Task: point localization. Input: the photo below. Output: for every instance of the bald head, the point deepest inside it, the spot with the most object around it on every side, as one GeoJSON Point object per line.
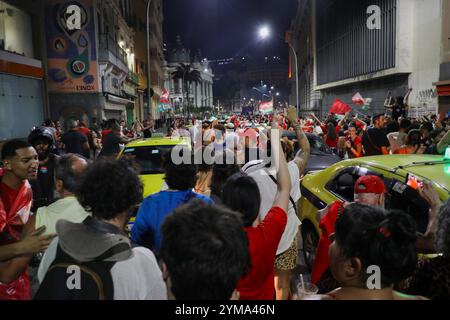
{"type": "Point", "coordinates": [69, 170]}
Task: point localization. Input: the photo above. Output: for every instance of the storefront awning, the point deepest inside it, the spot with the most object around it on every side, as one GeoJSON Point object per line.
{"type": "Point", "coordinates": [119, 100]}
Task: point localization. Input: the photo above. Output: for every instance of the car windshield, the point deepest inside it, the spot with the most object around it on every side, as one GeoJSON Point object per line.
{"type": "Point", "coordinates": [318, 146]}
{"type": "Point", "coordinates": [148, 158]}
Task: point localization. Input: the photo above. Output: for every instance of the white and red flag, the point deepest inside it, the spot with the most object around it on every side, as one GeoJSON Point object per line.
{"type": "Point", "coordinates": [358, 100]}
{"type": "Point", "coordinates": [266, 107]}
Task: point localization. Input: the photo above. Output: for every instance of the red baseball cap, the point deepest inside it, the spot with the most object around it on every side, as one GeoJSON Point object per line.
{"type": "Point", "coordinates": [370, 184]}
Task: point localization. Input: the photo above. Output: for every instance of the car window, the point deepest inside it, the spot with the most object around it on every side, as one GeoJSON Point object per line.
{"type": "Point", "coordinates": [342, 185]}
{"type": "Point", "coordinates": [404, 198]}
{"type": "Point", "coordinates": [318, 145]}
{"type": "Point", "coordinates": [149, 158]}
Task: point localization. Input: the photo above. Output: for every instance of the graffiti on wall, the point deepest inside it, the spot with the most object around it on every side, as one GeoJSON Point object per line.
{"type": "Point", "coordinates": [425, 102]}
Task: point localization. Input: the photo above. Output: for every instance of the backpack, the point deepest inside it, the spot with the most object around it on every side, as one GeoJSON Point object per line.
{"type": "Point", "coordinates": [60, 283]}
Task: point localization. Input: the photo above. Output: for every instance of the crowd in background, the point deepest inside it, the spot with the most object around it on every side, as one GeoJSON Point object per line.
{"type": "Point", "coordinates": [220, 231]}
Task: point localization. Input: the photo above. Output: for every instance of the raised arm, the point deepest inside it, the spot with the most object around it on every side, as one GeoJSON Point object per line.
{"type": "Point", "coordinates": [444, 143]}
{"type": "Point", "coordinates": [283, 177]}
{"type": "Point", "coordinates": [406, 99]}
{"type": "Point", "coordinates": [392, 137]}
{"type": "Point", "coordinates": [317, 119]}
{"type": "Point", "coordinates": [387, 102]}
{"type": "Point", "coordinates": [341, 123]}
{"type": "Point", "coordinates": [301, 158]}
{"type": "Point", "coordinates": [425, 242]}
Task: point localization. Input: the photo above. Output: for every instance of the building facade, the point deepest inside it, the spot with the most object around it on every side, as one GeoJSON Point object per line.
{"type": "Point", "coordinates": [443, 85]}
{"type": "Point", "coordinates": [372, 47]}
{"type": "Point", "coordinates": [23, 98]}
{"type": "Point", "coordinates": [201, 93]}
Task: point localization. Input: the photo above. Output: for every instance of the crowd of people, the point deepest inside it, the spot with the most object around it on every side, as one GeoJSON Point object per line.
{"type": "Point", "coordinates": [226, 230]}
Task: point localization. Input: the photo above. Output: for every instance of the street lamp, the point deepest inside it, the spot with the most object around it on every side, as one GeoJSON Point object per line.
{"type": "Point", "coordinates": [149, 81]}
{"type": "Point", "coordinates": [264, 33]}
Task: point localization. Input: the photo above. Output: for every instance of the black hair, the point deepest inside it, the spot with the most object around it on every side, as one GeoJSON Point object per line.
{"type": "Point", "coordinates": [179, 176]}
{"type": "Point", "coordinates": [64, 171]}
{"type": "Point", "coordinates": [331, 131]}
{"type": "Point", "coordinates": [405, 124]}
{"type": "Point", "coordinates": [10, 148]}
{"type": "Point", "coordinates": [48, 122]}
{"type": "Point", "coordinates": [377, 117]}
{"type": "Point", "coordinates": [220, 174]}
{"type": "Point", "coordinates": [205, 250]}
{"type": "Point", "coordinates": [241, 194]}
{"type": "Point", "coordinates": [427, 126]}
{"type": "Point", "coordinates": [443, 230]}
{"type": "Point", "coordinates": [392, 126]}
{"type": "Point", "coordinates": [109, 188]}
{"type": "Point", "coordinates": [375, 238]}
{"type": "Point", "coordinates": [413, 138]}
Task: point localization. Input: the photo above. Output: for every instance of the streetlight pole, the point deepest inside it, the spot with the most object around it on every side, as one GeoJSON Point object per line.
{"type": "Point", "coordinates": [149, 81]}
{"type": "Point", "coordinates": [264, 33]}
{"type": "Point", "coordinates": [296, 74]}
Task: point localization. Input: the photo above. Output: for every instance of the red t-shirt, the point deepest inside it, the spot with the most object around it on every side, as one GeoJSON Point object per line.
{"type": "Point", "coordinates": [258, 283]}
{"type": "Point", "coordinates": [84, 131]}
{"type": "Point", "coordinates": [355, 144]}
{"type": "Point", "coordinates": [327, 225]}
{"type": "Point", "coordinates": [105, 133]}
{"type": "Point", "coordinates": [8, 195]}
{"type": "Point", "coordinates": [329, 142]}
{"type": "Point", "coordinates": [19, 289]}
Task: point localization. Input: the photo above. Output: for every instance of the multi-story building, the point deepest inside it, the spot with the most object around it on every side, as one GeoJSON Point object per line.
{"type": "Point", "coordinates": [142, 108]}
{"type": "Point", "coordinates": [369, 46]}
{"type": "Point", "coordinates": [91, 66]}
{"type": "Point", "coordinates": [23, 97]}
{"type": "Point", "coordinates": [200, 94]}
{"type": "Point", "coordinates": [443, 85]}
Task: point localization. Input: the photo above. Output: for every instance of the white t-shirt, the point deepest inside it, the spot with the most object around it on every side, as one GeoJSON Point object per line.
{"type": "Point", "coordinates": [138, 278]}
{"type": "Point", "coordinates": [268, 190]}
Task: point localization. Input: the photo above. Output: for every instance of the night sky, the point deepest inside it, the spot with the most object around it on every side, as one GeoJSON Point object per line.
{"type": "Point", "coordinates": [228, 28]}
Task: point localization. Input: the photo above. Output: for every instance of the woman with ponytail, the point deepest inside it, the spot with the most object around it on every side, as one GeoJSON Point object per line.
{"type": "Point", "coordinates": [372, 251]}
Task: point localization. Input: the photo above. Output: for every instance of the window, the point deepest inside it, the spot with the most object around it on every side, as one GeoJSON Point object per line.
{"type": "Point", "coordinates": [149, 158]}
{"type": "Point", "coordinates": [15, 31]}
{"type": "Point", "coordinates": [342, 185]}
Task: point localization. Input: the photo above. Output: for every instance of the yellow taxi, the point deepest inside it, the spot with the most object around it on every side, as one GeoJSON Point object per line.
{"type": "Point", "coordinates": [402, 175]}
{"type": "Point", "coordinates": [147, 153]}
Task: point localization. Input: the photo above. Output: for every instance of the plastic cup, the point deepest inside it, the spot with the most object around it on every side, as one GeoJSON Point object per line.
{"type": "Point", "coordinates": [307, 290]}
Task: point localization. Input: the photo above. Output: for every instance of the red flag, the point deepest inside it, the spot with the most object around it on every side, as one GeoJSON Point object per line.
{"type": "Point", "coordinates": [358, 99]}
{"type": "Point", "coordinates": [266, 107]}
{"type": "Point", "coordinates": [339, 107]}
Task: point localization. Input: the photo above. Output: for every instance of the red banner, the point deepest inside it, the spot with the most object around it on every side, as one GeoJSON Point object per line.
{"type": "Point", "coordinates": [339, 107]}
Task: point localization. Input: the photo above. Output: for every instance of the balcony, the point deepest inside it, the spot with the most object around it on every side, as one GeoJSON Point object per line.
{"type": "Point", "coordinates": [133, 77]}
{"type": "Point", "coordinates": [110, 51]}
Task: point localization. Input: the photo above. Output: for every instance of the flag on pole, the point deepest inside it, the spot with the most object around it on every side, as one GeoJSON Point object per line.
{"type": "Point", "coordinates": [266, 107]}
{"type": "Point", "coordinates": [358, 100]}
{"type": "Point", "coordinates": [340, 107]}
